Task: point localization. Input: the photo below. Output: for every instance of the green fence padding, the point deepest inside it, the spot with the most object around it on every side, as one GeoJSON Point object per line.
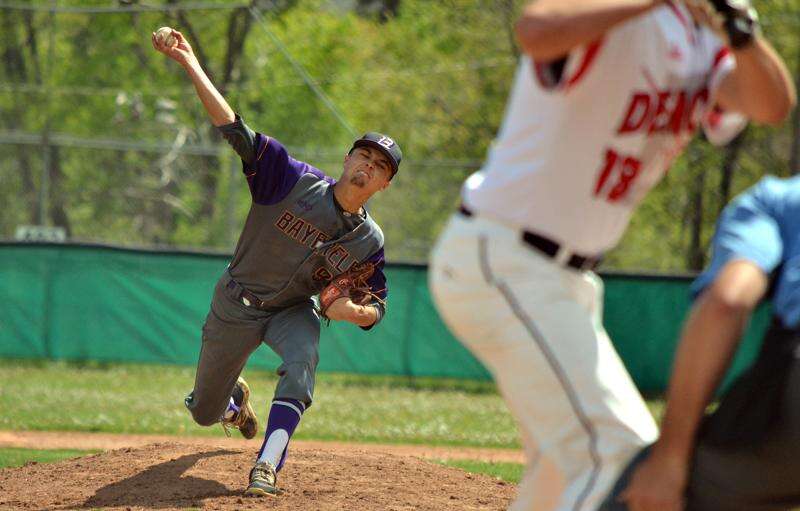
{"type": "Point", "coordinates": [78, 302]}
{"type": "Point", "coordinates": [644, 316]}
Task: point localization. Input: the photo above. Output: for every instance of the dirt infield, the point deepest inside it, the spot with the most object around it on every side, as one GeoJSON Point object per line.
{"type": "Point", "coordinates": [174, 475]}
{"type": "Point", "coordinates": [108, 441]}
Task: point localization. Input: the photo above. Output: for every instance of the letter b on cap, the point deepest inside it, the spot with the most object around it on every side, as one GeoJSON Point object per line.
{"type": "Point", "coordinates": [386, 142]}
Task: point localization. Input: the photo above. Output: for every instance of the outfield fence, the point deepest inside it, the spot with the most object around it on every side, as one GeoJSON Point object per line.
{"type": "Point", "coordinates": [90, 302]}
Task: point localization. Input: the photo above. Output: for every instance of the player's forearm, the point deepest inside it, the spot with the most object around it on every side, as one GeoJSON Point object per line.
{"type": "Point", "coordinates": [218, 109]}
{"type": "Point", "coordinates": [363, 315]}
{"type": "Point", "coordinates": [549, 29]}
{"type": "Point", "coordinates": [707, 345]}
{"type": "Point", "coordinates": [760, 86]}
{"type": "Point", "coordinates": [360, 315]}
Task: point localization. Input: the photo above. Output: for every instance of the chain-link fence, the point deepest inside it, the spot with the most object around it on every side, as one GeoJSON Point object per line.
{"type": "Point", "coordinates": [104, 139]}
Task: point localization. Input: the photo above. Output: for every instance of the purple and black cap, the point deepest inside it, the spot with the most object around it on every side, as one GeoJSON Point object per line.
{"type": "Point", "coordinates": [384, 144]}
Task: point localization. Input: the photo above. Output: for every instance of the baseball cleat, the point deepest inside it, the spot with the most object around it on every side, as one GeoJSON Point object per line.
{"type": "Point", "coordinates": [246, 420]}
{"type": "Point", "coordinates": [263, 480]}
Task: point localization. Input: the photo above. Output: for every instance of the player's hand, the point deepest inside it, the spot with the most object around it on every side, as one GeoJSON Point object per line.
{"type": "Point", "coordinates": [658, 484]}
{"type": "Point", "coordinates": [705, 14]}
{"type": "Point", "coordinates": [181, 53]}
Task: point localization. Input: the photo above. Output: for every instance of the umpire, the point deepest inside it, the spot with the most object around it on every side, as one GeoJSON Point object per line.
{"type": "Point", "coordinates": [746, 455]}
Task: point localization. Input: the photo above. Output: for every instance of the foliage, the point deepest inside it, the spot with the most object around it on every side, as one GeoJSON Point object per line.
{"type": "Point", "coordinates": [104, 136]}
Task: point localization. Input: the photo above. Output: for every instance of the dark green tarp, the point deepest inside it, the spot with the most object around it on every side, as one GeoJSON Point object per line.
{"type": "Point", "coordinates": [77, 302]}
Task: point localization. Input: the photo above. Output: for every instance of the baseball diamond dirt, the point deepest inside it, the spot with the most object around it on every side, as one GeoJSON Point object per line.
{"type": "Point", "coordinates": [173, 475]}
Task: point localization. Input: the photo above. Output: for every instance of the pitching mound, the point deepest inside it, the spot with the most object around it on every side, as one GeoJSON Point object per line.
{"type": "Point", "coordinates": [174, 476]}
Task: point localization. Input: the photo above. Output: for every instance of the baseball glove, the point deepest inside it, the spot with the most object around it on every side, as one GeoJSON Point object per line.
{"type": "Point", "coordinates": [350, 284]}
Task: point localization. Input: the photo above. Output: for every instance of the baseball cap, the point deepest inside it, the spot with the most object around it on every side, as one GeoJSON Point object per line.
{"type": "Point", "coordinates": [384, 144]}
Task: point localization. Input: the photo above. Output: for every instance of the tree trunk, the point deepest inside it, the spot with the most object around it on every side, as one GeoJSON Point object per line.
{"type": "Point", "coordinates": [385, 9]}
{"type": "Point", "coordinates": [18, 69]}
{"type": "Point", "coordinates": [509, 15]}
{"type": "Point", "coordinates": [33, 46]}
{"type": "Point", "coordinates": [696, 255]}
{"type": "Point", "coordinates": [239, 24]}
{"type": "Point", "coordinates": [29, 194]}
{"type": "Point", "coordinates": [729, 164]}
{"type": "Point", "coordinates": [58, 210]}
{"type": "Point", "coordinates": [238, 28]}
{"type": "Point", "coordinates": [187, 28]}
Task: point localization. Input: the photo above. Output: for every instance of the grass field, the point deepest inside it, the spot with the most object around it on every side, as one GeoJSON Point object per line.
{"type": "Point", "coordinates": [11, 457]}
{"type": "Point", "coordinates": [147, 399]}
{"type": "Point", "coordinates": [511, 472]}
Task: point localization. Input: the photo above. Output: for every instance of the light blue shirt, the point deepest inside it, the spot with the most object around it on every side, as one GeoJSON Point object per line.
{"type": "Point", "coordinates": [762, 225]}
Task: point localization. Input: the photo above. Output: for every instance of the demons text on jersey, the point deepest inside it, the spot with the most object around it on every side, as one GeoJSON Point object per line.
{"type": "Point", "coordinates": [673, 111]}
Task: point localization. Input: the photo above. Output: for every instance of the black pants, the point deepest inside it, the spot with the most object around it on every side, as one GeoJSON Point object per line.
{"type": "Point", "coordinates": [748, 451]}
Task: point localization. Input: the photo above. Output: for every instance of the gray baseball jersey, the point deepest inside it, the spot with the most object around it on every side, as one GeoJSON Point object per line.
{"type": "Point", "coordinates": [295, 240]}
{"type": "Point", "coordinates": [296, 237]}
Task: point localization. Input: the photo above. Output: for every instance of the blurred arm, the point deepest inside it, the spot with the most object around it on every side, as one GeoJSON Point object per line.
{"type": "Point", "coordinates": [550, 29]}
{"type": "Point", "coordinates": [710, 337]}
{"type": "Point", "coordinates": [760, 87]}
{"type": "Point", "coordinates": [709, 340]}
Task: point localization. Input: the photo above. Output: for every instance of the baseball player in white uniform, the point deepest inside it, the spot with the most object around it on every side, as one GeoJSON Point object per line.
{"type": "Point", "coordinates": [607, 94]}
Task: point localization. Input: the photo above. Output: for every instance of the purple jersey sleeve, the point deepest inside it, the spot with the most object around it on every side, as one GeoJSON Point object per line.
{"type": "Point", "coordinates": [275, 172]}
{"type": "Point", "coordinates": [377, 283]}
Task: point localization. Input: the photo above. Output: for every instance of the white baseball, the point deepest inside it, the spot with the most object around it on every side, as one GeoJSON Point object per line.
{"type": "Point", "coordinates": [165, 38]}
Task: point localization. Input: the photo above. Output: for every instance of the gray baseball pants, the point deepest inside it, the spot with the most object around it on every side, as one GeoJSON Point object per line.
{"type": "Point", "coordinates": [232, 331]}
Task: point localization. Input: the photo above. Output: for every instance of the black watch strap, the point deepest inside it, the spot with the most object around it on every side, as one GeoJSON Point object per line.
{"type": "Point", "coordinates": [740, 21]}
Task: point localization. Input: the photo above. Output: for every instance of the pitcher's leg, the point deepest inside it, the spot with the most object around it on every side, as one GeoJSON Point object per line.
{"type": "Point", "coordinates": [229, 337]}
{"type": "Point", "coordinates": [217, 371]}
{"type": "Point", "coordinates": [294, 335]}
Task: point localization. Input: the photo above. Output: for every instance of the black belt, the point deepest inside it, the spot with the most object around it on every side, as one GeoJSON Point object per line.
{"type": "Point", "coordinates": [246, 297]}
{"type": "Point", "coordinates": [549, 247]}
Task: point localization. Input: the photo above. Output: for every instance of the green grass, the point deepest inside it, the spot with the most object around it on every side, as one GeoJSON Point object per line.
{"type": "Point", "coordinates": [119, 398]}
{"type": "Point", "coordinates": [149, 399]}
{"type": "Point", "coordinates": [509, 472]}
{"type": "Point", "coordinates": [13, 457]}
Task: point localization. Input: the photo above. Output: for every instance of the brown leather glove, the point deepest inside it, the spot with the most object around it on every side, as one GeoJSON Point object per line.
{"type": "Point", "coordinates": [350, 284]}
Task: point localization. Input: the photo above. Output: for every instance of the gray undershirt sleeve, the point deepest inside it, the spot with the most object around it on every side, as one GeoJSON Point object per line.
{"type": "Point", "coordinates": [381, 309]}
{"type": "Point", "coordinates": [241, 138]}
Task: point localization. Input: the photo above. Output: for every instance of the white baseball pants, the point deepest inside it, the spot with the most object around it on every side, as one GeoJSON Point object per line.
{"type": "Point", "coordinates": [537, 327]}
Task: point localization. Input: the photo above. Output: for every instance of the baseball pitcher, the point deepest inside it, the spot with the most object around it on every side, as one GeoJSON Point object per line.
{"type": "Point", "coordinates": [606, 95]}
{"type": "Point", "coordinates": [306, 234]}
